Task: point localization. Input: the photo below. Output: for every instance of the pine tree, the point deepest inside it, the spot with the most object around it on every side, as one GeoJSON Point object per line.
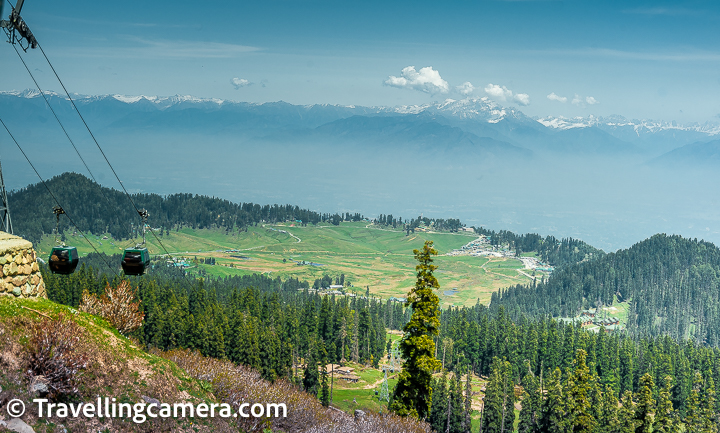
{"type": "Point", "coordinates": [693, 412]}
{"type": "Point", "coordinates": [577, 392]}
{"type": "Point", "coordinates": [438, 413]}
{"type": "Point", "coordinates": [531, 404]}
{"type": "Point", "coordinates": [645, 408]}
{"type": "Point", "coordinates": [467, 416]}
{"type": "Point", "coordinates": [324, 387]}
{"type": "Point", "coordinates": [457, 415]}
{"type": "Point", "coordinates": [509, 410]}
{"type": "Point", "coordinates": [609, 420]}
{"type": "Point", "coordinates": [627, 365]}
{"type": "Point", "coordinates": [310, 378]}
{"type": "Point", "coordinates": [596, 399]}
{"type": "Point", "coordinates": [626, 414]}
{"type": "Point", "coordinates": [554, 411]}
{"type": "Point", "coordinates": [494, 403]}
{"type": "Point", "coordinates": [413, 393]}
{"type": "Point", "coordinates": [708, 406]}
{"type": "Point", "coordinates": [664, 413]}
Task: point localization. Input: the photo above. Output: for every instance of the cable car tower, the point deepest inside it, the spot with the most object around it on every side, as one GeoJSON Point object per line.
{"type": "Point", "coordinates": [16, 28]}
{"type": "Point", "coordinates": [17, 31]}
{"type": "Point", "coordinates": [394, 358]}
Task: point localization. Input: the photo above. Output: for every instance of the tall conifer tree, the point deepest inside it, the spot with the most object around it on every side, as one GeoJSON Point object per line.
{"type": "Point", "coordinates": [664, 413]}
{"type": "Point", "coordinates": [554, 412]}
{"type": "Point", "coordinates": [710, 424]}
{"type": "Point", "coordinates": [627, 414]}
{"type": "Point", "coordinates": [578, 391]}
{"type": "Point", "coordinates": [467, 416]}
{"type": "Point", "coordinates": [438, 411]}
{"type": "Point", "coordinates": [531, 404]}
{"type": "Point", "coordinates": [645, 408]}
{"type": "Point", "coordinates": [609, 420]}
{"type": "Point", "coordinates": [413, 393]}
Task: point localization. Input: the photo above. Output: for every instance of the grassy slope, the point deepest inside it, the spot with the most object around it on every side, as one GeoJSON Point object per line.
{"type": "Point", "coordinates": [368, 256]}
{"type": "Point", "coordinates": [116, 369]}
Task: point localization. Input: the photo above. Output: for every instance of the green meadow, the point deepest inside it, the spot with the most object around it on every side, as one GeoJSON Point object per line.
{"type": "Point", "coordinates": [369, 257]}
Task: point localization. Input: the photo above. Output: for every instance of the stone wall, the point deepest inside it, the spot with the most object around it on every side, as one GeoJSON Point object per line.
{"type": "Point", "coordinates": [19, 272]}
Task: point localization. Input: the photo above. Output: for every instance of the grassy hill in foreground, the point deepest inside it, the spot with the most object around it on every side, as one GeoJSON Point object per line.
{"type": "Point", "coordinates": [112, 366]}
{"type": "Point", "coordinates": [366, 254]}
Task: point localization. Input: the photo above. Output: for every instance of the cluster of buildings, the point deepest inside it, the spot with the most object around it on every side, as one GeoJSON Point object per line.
{"type": "Point", "coordinates": [590, 319]}
{"type": "Point", "coordinates": [481, 247]}
{"type": "Point", "coordinates": [345, 373]}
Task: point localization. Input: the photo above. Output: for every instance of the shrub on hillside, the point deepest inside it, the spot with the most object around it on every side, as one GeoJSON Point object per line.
{"type": "Point", "coordinates": [235, 385]}
{"type": "Point", "coordinates": [117, 306]}
{"type": "Point", "coordinates": [53, 356]}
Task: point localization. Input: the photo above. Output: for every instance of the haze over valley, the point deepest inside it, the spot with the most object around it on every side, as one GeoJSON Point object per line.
{"type": "Point", "coordinates": [609, 181]}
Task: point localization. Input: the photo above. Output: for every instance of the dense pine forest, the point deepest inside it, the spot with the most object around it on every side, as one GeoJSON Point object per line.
{"type": "Point", "coordinates": [255, 320]}
{"type": "Point", "coordinates": [672, 284]}
{"type": "Point", "coordinates": [544, 353]}
{"type": "Point", "coordinates": [564, 377]}
{"type": "Point", "coordinates": [96, 209]}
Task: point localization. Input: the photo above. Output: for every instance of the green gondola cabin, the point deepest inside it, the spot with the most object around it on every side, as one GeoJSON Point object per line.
{"type": "Point", "coordinates": [63, 260]}
{"type": "Point", "coordinates": [135, 261]}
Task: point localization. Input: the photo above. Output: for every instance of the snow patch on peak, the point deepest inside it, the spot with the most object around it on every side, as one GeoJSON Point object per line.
{"type": "Point", "coordinates": [614, 122]}
{"type": "Point", "coordinates": [410, 109]}
{"type": "Point", "coordinates": [31, 93]}
{"type": "Point", "coordinates": [133, 99]}
{"type": "Point", "coordinates": [193, 99]}
{"type": "Point", "coordinates": [564, 123]}
{"type": "Point", "coordinates": [481, 109]}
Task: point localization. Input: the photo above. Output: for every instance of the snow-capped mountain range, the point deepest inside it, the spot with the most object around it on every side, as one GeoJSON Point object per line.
{"type": "Point", "coordinates": [617, 121]}
{"type": "Point", "coordinates": [475, 124]}
{"type": "Point", "coordinates": [477, 109]}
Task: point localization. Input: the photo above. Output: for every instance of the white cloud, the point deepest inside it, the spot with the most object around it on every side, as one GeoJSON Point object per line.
{"type": "Point", "coordinates": [240, 82]}
{"type": "Point", "coordinates": [502, 93]}
{"type": "Point", "coordinates": [465, 88]}
{"type": "Point", "coordinates": [425, 80]}
{"type": "Point", "coordinates": [554, 97]}
{"type": "Point", "coordinates": [522, 99]}
{"type": "Point", "coordinates": [584, 101]}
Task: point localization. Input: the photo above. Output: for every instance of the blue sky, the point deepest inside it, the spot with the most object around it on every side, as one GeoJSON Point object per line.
{"type": "Point", "coordinates": [639, 59]}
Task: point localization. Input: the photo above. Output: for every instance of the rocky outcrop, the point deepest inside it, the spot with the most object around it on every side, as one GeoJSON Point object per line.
{"type": "Point", "coordinates": [19, 271]}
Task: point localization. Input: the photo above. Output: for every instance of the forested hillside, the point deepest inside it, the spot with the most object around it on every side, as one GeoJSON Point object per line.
{"type": "Point", "coordinates": [569, 376]}
{"type": "Point", "coordinates": [255, 320]}
{"type": "Point", "coordinates": [98, 210]}
{"type": "Point", "coordinates": [573, 378]}
{"type": "Point", "coordinates": [672, 284]}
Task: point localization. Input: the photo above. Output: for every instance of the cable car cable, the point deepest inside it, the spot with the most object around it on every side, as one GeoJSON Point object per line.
{"type": "Point", "coordinates": [55, 198]}
{"type": "Point", "coordinates": [60, 123]}
{"type": "Point", "coordinates": [100, 148]}
{"type": "Point", "coordinates": [33, 43]}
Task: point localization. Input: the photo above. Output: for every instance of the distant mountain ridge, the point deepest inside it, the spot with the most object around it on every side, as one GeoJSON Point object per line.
{"type": "Point", "coordinates": [482, 109]}
{"type": "Point", "coordinates": [482, 117]}
{"type": "Point", "coordinates": [699, 154]}
{"type": "Point", "coordinates": [471, 157]}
